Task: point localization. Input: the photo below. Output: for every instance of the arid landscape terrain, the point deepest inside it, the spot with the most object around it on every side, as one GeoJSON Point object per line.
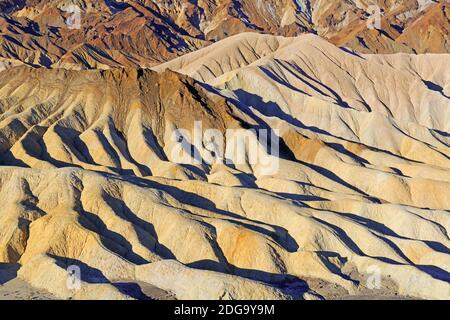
{"type": "Point", "coordinates": [224, 149]}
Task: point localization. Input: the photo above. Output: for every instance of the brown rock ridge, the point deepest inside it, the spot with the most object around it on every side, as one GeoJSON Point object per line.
{"type": "Point", "coordinates": [143, 33]}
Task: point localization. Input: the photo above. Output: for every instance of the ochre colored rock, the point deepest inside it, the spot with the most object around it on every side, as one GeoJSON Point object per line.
{"type": "Point", "coordinates": [89, 177]}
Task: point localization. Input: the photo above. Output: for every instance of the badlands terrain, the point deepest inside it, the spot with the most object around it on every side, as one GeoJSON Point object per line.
{"type": "Point", "coordinates": [99, 34]}
{"type": "Point", "coordinates": [355, 203]}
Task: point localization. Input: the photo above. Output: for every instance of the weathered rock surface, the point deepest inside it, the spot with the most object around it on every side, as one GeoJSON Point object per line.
{"type": "Point", "coordinates": [88, 176]}
{"type": "Point", "coordinates": [91, 34]}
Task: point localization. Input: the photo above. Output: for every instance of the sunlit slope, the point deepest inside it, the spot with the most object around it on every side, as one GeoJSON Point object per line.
{"type": "Point", "coordinates": [88, 176]}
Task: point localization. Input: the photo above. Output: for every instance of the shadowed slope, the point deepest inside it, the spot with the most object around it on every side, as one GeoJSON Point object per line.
{"type": "Point", "coordinates": [91, 34]}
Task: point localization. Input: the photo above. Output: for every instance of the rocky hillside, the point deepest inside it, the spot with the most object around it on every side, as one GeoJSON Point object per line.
{"type": "Point", "coordinates": [88, 34]}
{"type": "Point", "coordinates": [89, 176]}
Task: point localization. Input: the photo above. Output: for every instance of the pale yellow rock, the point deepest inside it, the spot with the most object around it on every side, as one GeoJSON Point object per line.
{"type": "Point", "coordinates": [90, 174]}
{"type": "Point", "coordinates": [42, 272]}
{"type": "Point", "coordinates": [191, 284]}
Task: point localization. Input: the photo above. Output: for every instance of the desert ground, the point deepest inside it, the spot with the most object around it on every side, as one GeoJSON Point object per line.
{"type": "Point", "coordinates": [230, 166]}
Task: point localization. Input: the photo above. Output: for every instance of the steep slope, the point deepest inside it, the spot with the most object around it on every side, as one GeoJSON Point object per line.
{"type": "Point", "coordinates": [88, 34]}
{"type": "Point", "coordinates": [97, 174]}
{"type": "Point", "coordinates": [430, 32]}
{"type": "Point", "coordinates": [83, 34]}
{"type": "Point", "coordinates": [308, 67]}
